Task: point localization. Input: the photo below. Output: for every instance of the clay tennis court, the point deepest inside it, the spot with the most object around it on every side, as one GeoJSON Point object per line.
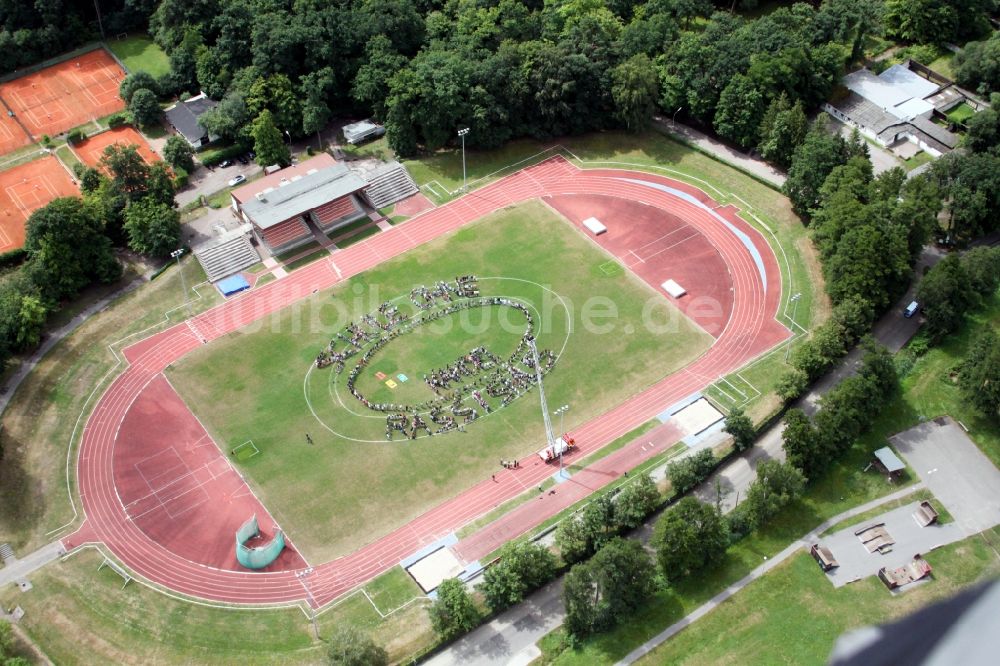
{"type": "Point", "coordinates": [12, 135]}
{"type": "Point", "coordinates": [63, 96]}
{"type": "Point", "coordinates": [26, 188]}
{"type": "Point", "coordinates": [91, 150]}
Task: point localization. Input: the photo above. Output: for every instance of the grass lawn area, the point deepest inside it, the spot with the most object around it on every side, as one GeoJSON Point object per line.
{"type": "Point", "coordinates": [794, 615]}
{"type": "Point", "coordinates": [961, 113]}
{"type": "Point", "coordinates": [307, 259]}
{"type": "Point", "coordinates": [943, 65]}
{"type": "Point", "coordinates": [67, 156]}
{"type": "Point", "coordinates": [929, 392]}
{"type": "Point", "coordinates": [919, 159]}
{"type": "Point", "coordinates": [140, 53]}
{"type": "Point", "coordinates": [348, 229]}
{"type": "Point", "coordinates": [80, 615]}
{"type": "Point", "coordinates": [45, 408]}
{"type": "Point", "coordinates": [652, 151]}
{"type": "Point", "coordinates": [342, 492]}
{"type": "Point", "coordinates": [358, 236]}
{"type": "Point", "coordinates": [926, 393]}
{"type": "Point", "coordinates": [295, 251]}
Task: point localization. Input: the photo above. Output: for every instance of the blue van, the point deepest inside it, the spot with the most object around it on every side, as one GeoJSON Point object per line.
{"type": "Point", "coordinates": [911, 309]}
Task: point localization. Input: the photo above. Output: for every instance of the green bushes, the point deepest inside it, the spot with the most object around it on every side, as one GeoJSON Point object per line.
{"type": "Point", "coordinates": [688, 472]}
{"type": "Point", "coordinates": [76, 136]}
{"type": "Point", "coordinates": [118, 119]}
{"type": "Point", "coordinates": [213, 156]}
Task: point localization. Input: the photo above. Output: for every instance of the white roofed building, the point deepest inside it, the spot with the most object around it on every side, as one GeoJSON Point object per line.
{"type": "Point", "coordinates": [901, 104]}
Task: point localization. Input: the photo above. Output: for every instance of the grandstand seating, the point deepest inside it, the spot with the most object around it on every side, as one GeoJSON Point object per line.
{"type": "Point", "coordinates": [230, 255]}
{"type": "Point", "coordinates": [286, 234]}
{"type": "Point", "coordinates": [388, 184]}
{"type": "Point", "coordinates": [330, 214]}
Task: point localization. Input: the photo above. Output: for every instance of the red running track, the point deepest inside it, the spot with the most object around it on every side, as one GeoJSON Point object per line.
{"type": "Point", "coordinates": [750, 330]}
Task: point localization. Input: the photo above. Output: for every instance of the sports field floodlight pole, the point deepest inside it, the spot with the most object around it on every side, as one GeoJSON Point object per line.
{"type": "Point", "coordinates": [795, 304]}
{"type": "Point", "coordinates": [100, 23]}
{"type": "Point", "coordinates": [461, 133]}
{"type": "Point", "coordinates": [541, 395]}
{"type": "Point", "coordinates": [176, 254]}
{"type": "Point", "coordinates": [562, 414]}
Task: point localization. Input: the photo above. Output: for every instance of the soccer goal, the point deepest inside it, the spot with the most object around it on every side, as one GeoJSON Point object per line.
{"type": "Point", "coordinates": [245, 451]}
{"type": "Point", "coordinates": [114, 566]}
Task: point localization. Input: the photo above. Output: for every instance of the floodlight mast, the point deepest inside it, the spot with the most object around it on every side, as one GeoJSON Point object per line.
{"type": "Point", "coordinates": [176, 254]}
{"type": "Point", "coordinates": [461, 133]}
{"type": "Point", "coordinates": [541, 394]}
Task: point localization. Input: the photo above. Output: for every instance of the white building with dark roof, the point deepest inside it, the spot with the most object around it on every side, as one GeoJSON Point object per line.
{"type": "Point", "coordinates": [284, 206]}
{"type": "Point", "coordinates": [901, 104]}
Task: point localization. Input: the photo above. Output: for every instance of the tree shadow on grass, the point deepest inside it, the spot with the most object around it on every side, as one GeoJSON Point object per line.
{"type": "Point", "coordinates": [20, 496]}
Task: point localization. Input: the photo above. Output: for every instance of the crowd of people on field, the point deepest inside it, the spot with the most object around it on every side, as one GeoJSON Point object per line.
{"type": "Point", "coordinates": [479, 373]}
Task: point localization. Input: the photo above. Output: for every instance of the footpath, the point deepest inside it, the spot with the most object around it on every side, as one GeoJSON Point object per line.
{"type": "Point", "coordinates": [757, 167]}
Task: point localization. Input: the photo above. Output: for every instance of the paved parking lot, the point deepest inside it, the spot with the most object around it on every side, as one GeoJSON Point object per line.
{"type": "Point", "coordinates": [955, 470]}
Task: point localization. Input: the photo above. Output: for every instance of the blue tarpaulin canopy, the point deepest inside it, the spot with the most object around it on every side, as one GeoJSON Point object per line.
{"type": "Point", "coordinates": [232, 285]}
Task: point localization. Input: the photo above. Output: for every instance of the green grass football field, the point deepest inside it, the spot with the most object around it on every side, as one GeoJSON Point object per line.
{"type": "Point", "coordinates": [350, 487]}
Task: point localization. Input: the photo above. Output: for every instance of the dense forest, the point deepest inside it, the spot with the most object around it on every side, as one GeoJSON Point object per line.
{"type": "Point", "coordinates": [504, 68]}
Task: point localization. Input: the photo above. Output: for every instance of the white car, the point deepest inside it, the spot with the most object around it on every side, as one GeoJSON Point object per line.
{"type": "Point", "coordinates": [233, 182]}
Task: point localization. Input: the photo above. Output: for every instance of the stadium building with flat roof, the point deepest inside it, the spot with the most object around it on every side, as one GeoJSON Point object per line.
{"type": "Point", "coordinates": [286, 207]}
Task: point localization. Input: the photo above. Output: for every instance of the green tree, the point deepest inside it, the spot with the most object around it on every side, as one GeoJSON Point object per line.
{"type": "Point", "coordinates": [739, 425]}
{"type": "Point", "coordinates": [984, 128]}
{"type": "Point", "coordinates": [813, 160]}
{"type": "Point", "coordinates": [599, 520]}
{"type": "Point", "coordinates": [689, 537]}
{"type": "Point", "coordinates": [946, 295]}
{"type": "Point", "coordinates": [782, 129]}
{"type": "Point", "coordinates": [153, 228]}
{"type": "Point", "coordinates": [129, 172]}
{"type": "Point", "coordinates": [269, 144]}
{"type": "Point", "coordinates": [686, 473]}
{"type": "Point", "coordinates": [22, 314]}
{"type": "Point", "coordinates": [792, 384]}
{"type": "Point", "coordinates": [144, 108]}
{"type": "Point", "coordinates": [371, 83]}
{"type": "Point", "coordinates": [637, 499]}
{"type": "Point", "coordinates": [740, 111]}
{"type": "Point", "coordinates": [850, 21]}
{"type": "Point", "coordinates": [178, 153]}
{"type": "Point", "coordinates": [346, 646]}
{"type": "Point", "coordinates": [635, 89]}
{"type": "Point", "coordinates": [573, 540]}
{"type": "Point", "coordinates": [982, 270]}
{"type": "Point", "coordinates": [871, 262]}
{"type": "Point", "coordinates": [453, 613]}
{"type": "Point", "coordinates": [818, 354]}
{"type": "Point", "coordinates": [802, 445]}
{"type": "Point", "coordinates": [136, 81]}
{"type": "Point", "coordinates": [602, 592]}
{"type": "Point", "coordinates": [777, 485]}
{"type": "Point", "coordinates": [316, 89]}
{"type": "Point", "coordinates": [229, 119]}
{"type": "Point", "coordinates": [977, 65]}
{"type": "Point", "coordinates": [521, 568]}
{"type": "Point", "coordinates": [979, 374]}
{"type": "Point", "coordinates": [66, 244]}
